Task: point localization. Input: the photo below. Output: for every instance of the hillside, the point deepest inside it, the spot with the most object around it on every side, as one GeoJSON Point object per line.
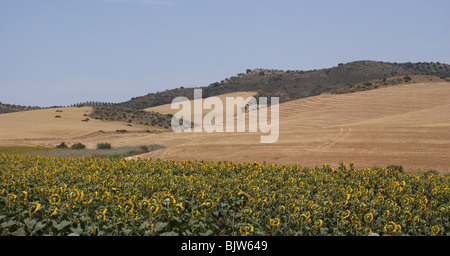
{"type": "Point", "coordinates": [50, 127]}
{"type": "Point", "coordinates": [291, 85]}
{"type": "Point", "coordinates": [406, 125]}
{"type": "Point", "coordinates": [9, 108]}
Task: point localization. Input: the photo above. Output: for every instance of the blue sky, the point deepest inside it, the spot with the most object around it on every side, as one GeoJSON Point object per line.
{"type": "Point", "coordinates": [60, 52]}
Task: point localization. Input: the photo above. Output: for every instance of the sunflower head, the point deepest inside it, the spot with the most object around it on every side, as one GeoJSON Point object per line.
{"type": "Point", "coordinates": [274, 222]}
{"type": "Point", "coordinates": [435, 229]}
{"type": "Point", "coordinates": [208, 204]}
{"type": "Point", "coordinates": [101, 216]}
{"type": "Point", "coordinates": [246, 211]}
{"type": "Point", "coordinates": [368, 217]}
{"type": "Point", "coordinates": [346, 214]}
{"type": "Point", "coordinates": [106, 196]}
{"type": "Point", "coordinates": [73, 194]}
{"type": "Point", "coordinates": [246, 229]}
{"type": "Point", "coordinates": [153, 208]}
{"type": "Point", "coordinates": [318, 223]}
{"type": "Point", "coordinates": [366, 231]}
{"type": "Point", "coordinates": [11, 198]}
{"type": "Point", "coordinates": [243, 197]}
{"type": "Point", "coordinates": [53, 210]}
{"type": "Point", "coordinates": [168, 201]}
{"type": "Point", "coordinates": [390, 227]}
{"type": "Point", "coordinates": [34, 207]}
{"type": "Point", "coordinates": [128, 207]}
{"type": "Point", "coordinates": [144, 204]}
{"type": "Point", "coordinates": [54, 199]}
{"type": "Point", "coordinates": [179, 207]}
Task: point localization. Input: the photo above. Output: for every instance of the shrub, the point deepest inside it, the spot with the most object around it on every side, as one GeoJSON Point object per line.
{"type": "Point", "coordinates": [103, 146]}
{"type": "Point", "coordinates": [62, 145]}
{"type": "Point", "coordinates": [78, 146]}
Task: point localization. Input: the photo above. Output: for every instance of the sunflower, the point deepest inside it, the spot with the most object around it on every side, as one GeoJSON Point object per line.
{"type": "Point", "coordinates": [25, 195]}
{"type": "Point", "coordinates": [54, 199]}
{"type": "Point", "coordinates": [357, 224]}
{"type": "Point", "coordinates": [34, 207]}
{"type": "Point", "coordinates": [386, 214]}
{"type": "Point", "coordinates": [144, 204]}
{"type": "Point", "coordinates": [168, 201]}
{"type": "Point", "coordinates": [391, 227]}
{"type": "Point", "coordinates": [73, 194]}
{"type": "Point", "coordinates": [208, 204]}
{"type": "Point", "coordinates": [41, 189]}
{"type": "Point", "coordinates": [368, 217]}
{"type": "Point", "coordinates": [128, 207]}
{"type": "Point", "coordinates": [245, 197]}
{"type": "Point", "coordinates": [318, 223]}
{"type": "Point", "coordinates": [397, 209]}
{"type": "Point", "coordinates": [366, 231]}
{"type": "Point", "coordinates": [196, 214]}
{"type": "Point", "coordinates": [435, 229]}
{"type": "Point", "coordinates": [274, 222]}
{"type": "Point", "coordinates": [101, 216]}
{"type": "Point", "coordinates": [398, 228]}
{"type": "Point", "coordinates": [246, 229]}
{"type": "Point", "coordinates": [264, 202]}
{"type": "Point", "coordinates": [346, 214]}
{"type": "Point", "coordinates": [153, 208]}
{"type": "Point", "coordinates": [423, 200]}
{"type": "Point", "coordinates": [86, 200]}
{"type": "Point", "coordinates": [305, 217]}
{"type": "Point", "coordinates": [179, 207]}
{"type": "Point", "coordinates": [106, 196]}
{"type": "Point", "coordinates": [55, 210]}
{"type": "Point", "coordinates": [11, 198]}
{"type": "Point", "coordinates": [407, 215]}
{"type": "Point", "coordinates": [296, 215]}
{"type": "Point", "coordinates": [246, 211]}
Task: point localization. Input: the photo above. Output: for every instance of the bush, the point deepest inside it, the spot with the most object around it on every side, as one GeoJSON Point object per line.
{"type": "Point", "coordinates": [78, 146]}
{"type": "Point", "coordinates": [103, 146]}
{"type": "Point", "coordinates": [62, 145]}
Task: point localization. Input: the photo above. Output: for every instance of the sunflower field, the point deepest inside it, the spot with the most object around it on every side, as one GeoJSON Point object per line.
{"type": "Point", "coordinates": [102, 196]}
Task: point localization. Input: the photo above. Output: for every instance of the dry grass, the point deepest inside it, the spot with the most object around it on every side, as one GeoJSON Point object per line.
{"type": "Point", "coordinates": [404, 125]}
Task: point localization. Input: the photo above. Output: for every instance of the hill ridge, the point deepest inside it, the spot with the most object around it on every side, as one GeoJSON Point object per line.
{"type": "Point", "coordinates": [286, 84]}
{"type": "Point", "coordinates": [296, 84]}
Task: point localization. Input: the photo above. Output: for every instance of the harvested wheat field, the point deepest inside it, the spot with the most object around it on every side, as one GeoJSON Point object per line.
{"type": "Point", "coordinates": [406, 125]}
{"type": "Point", "coordinates": [49, 127]}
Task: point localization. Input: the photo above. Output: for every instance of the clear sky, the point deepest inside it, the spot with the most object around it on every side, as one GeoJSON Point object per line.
{"type": "Point", "coordinates": [61, 52]}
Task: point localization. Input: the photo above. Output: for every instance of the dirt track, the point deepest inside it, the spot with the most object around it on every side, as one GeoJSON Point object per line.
{"type": "Point", "coordinates": [407, 125]}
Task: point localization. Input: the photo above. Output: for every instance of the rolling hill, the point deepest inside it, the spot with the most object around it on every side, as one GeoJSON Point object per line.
{"type": "Point", "coordinates": [290, 85]}
{"type": "Point", "coordinates": [371, 113]}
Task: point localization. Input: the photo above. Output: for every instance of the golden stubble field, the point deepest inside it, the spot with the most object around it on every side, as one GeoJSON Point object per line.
{"type": "Point", "coordinates": [406, 125]}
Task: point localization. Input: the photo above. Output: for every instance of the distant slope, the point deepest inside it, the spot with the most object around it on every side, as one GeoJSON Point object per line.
{"type": "Point", "coordinates": [49, 127]}
{"type": "Point", "coordinates": [405, 125]}
{"type": "Point", "coordinates": [9, 108]}
{"type": "Point", "coordinates": [291, 85]}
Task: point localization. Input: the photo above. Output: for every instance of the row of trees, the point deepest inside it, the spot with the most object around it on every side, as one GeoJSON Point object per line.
{"type": "Point", "coordinates": [93, 104]}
